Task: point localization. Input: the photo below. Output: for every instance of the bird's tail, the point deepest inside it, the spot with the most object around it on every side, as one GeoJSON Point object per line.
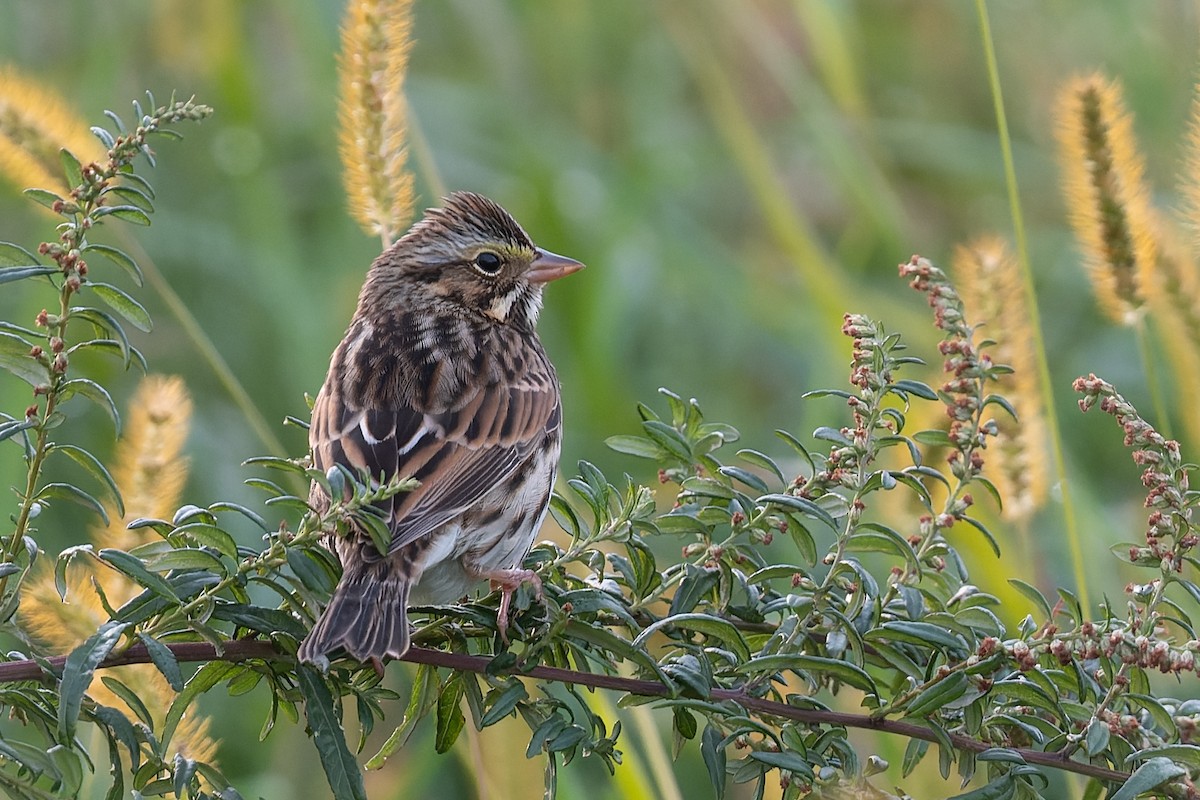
{"type": "Point", "coordinates": [367, 615]}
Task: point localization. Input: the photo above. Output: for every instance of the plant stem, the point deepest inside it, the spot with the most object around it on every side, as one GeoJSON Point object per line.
{"type": "Point", "coordinates": [1162, 420]}
{"type": "Point", "coordinates": [1039, 345]}
{"type": "Point", "coordinates": [243, 649]}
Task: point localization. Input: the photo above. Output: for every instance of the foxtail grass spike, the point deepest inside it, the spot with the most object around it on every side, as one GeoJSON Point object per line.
{"type": "Point", "coordinates": [376, 36]}
{"type": "Point", "coordinates": [989, 279]}
{"type": "Point", "coordinates": [35, 124]}
{"type": "Point", "coordinates": [1107, 200]}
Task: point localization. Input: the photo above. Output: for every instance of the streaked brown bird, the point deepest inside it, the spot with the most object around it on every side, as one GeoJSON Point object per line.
{"type": "Point", "coordinates": [440, 377]}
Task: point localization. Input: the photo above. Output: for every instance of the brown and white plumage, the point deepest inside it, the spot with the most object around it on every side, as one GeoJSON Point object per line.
{"type": "Point", "coordinates": [440, 377]}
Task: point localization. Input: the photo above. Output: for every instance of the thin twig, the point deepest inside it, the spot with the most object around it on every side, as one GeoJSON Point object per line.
{"type": "Point", "coordinates": [243, 649]}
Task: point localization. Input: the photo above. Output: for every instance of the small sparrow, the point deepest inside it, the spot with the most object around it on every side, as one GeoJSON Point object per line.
{"type": "Point", "coordinates": [440, 377]}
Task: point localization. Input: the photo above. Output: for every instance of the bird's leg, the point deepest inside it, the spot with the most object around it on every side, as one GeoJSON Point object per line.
{"type": "Point", "coordinates": [508, 581]}
{"type": "Point", "coordinates": [377, 665]}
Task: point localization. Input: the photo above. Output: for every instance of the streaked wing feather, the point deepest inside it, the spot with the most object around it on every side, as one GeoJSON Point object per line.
{"type": "Point", "coordinates": [458, 456]}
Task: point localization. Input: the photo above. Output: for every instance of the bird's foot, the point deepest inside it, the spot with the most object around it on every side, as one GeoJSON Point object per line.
{"type": "Point", "coordinates": [376, 664]}
{"type": "Point", "coordinates": [508, 581]}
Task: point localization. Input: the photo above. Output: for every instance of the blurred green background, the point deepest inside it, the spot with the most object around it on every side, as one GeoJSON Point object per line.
{"type": "Point", "coordinates": [737, 175]}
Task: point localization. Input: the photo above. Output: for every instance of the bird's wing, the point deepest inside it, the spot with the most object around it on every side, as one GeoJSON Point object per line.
{"type": "Point", "coordinates": [457, 455]}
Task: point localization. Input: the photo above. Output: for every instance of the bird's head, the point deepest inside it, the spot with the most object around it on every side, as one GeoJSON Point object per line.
{"type": "Point", "coordinates": [472, 253]}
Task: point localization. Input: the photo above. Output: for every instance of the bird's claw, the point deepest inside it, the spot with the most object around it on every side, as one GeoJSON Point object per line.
{"type": "Point", "coordinates": [508, 581]}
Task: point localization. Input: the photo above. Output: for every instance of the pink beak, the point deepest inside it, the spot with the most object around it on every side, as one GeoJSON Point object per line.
{"type": "Point", "coordinates": [550, 267]}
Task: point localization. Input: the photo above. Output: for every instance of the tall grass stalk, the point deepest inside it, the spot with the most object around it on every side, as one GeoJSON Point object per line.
{"type": "Point", "coordinates": [1070, 520]}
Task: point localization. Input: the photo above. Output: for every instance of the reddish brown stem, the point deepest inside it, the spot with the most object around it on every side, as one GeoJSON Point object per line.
{"type": "Point", "coordinates": [242, 649]}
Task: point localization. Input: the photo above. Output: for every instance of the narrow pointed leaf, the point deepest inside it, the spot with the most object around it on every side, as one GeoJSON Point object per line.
{"type": "Point", "coordinates": [14, 357]}
{"type": "Point", "coordinates": [341, 770]}
{"type": "Point", "coordinates": [164, 659]}
{"type": "Point", "coordinates": [77, 675]}
{"type": "Point", "coordinates": [94, 468]}
{"type": "Point", "coordinates": [42, 197]}
{"type": "Point", "coordinates": [97, 394]}
{"type": "Point", "coordinates": [133, 567]}
{"type": "Point", "coordinates": [204, 679]}
{"type": "Point", "coordinates": [1154, 772]}
{"type": "Point", "coordinates": [66, 491]}
{"type": "Point", "coordinates": [120, 258]}
{"type": "Point", "coordinates": [10, 274]}
{"type": "Point", "coordinates": [128, 213]}
{"type": "Point", "coordinates": [124, 305]}
{"type": "Point", "coordinates": [71, 167]}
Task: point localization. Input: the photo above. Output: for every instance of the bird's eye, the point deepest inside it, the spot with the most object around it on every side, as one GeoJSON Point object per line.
{"type": "Point", "coordinates": [488, 262]}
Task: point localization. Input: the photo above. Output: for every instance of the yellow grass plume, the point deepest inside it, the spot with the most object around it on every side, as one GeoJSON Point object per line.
{"type": "Point", "coordinates": [990, 283]}
{"type": "Point", "coordinates": [1173, 297]}
{"type": "Point", "coordinates": [1107, 200]}
{"type": "Point", "coordinates": [35, 123]}
{"type": "Point", "coordinates": [376, 36]}
{"type": "Point", "coordinates": [150, 471]}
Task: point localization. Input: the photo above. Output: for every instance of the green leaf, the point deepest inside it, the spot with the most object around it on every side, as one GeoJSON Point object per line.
{"type": "Point", "coordinates": [132, 566]}
{"type": "Point", "coordinates": [184, 558]}
{"type": "Point", "coordinates": [919, 633]}
{"type": "Point", "coordinates": [1034, 596]}
{"type": "Point", "coordinates": [827, 434]}
{"type": "Point", "coordinates": [133, 196]}
{"type": "Point", "coordinates": [120, 728]}
{"type": "Point", "coordinates": [43, 197]}
{"type": "Point", "coordinates": [933, 438]}
{"type": "Point", "coordinates": [120, 258]}
{"type": "Point", "coordinates": [987, 534]}
{"type": "Point", "coordinates": [131, 699]}
{"type": "Point", "coordinates": [879, 538]}
{"type": "Point", "coordinates": [253, 516]}
{"type": "Point", "coordinates": [421, 698]}
{"type": "Point", "coordinates": [93, 467]}
{"type": "Point", "coordinates": [450, 717]}
{"type": "Point", "coordinates": [204, 679]}
{"type": "Point", "coordinates": [13, 427]}
{"type": "Point", "coordinates": [258, 618]}
{"type": "Point", "coordinates": [722, 630]}
{"type": "Point", "coordinates": [71, 167]}
{"type": "Point", "coordinates": [164, 659]}
{"type": "Point", "coordinates": [763, 462]}
{"type": "Point", "coordinates": [1154, 772]}
{"type": "Point", "coordinates": [124, 305]}
{"type": "Point", "coordinates": [937, 695]}
{"type": "Point", "coordinates": [66, 491]}
{"type": "Point", "coordinates": [341, 770]}
{"type": "Point", "coordinates": [207, 535]}
{"type": "Point", "coordinates": [1001, 788]}
{"type": "Point", "coordinates": [505, 702]}
{"type": "Point", "coordinates": [10, 274]}
{"type": "Point", "coordinates": [800, 504]}
{"type": "Point", "coordinates": [921, 390]}
{"type": "Point", "coordinates": [96, 393]}
{"type": "Point", "coordinates": [77, 675]}
{"type": "Point", "coordinates": [638, 446]}
{"type": "Point", "coordinates": [128, 213]}
{"type": "Point", "coordinates": [1096, 740]}
{"type": "Point", "coordinates": [14, 357]}
{"type": "Point", "coordinates": [1188, 754]}
{"type": "Point", "coordinates": [713, 750]}
{"type": "Point", "coordinates": [116, 347]}
{"type": "Point", "coordinates": [840, 669]}
{"type": "Point", "coordinates": [784, 760]}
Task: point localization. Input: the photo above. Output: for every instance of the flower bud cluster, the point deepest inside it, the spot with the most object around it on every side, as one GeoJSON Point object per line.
{"type": "Point", "coordinates": [1169, 533]}
{"type": "Point", "coordinates": [871, 373]}
{"type": "Point", "coordinates": [969, 370]}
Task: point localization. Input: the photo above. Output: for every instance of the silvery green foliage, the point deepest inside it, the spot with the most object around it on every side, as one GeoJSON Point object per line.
{"type": "Point", "coordinates": [767, 599]}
